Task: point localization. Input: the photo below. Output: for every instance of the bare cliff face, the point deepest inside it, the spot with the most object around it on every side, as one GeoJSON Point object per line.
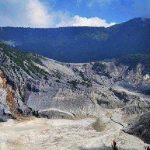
{"type": "Point", "coordinates": [34, 85]}
{"type": "Point", "coordinates": [8, 104]}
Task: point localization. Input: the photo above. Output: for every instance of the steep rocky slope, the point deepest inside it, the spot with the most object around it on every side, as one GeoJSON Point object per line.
{"type": "Point", "coordinates": [34, 85]}
{"type": "Point", "coordinates": [140, 127]}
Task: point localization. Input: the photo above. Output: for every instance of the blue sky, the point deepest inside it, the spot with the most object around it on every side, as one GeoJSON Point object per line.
{"type": "Point", "coordinates": [56, 13]}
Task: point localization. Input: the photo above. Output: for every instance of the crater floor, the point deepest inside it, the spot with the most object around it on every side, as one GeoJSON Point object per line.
{"type": "Point", "coordinates": [58, 134]}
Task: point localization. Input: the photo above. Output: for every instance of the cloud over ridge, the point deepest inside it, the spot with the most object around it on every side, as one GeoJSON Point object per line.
{"type": "Point", "coordinates": [34, 13]}
{"type": "Point", "coordinates": [84, 21]}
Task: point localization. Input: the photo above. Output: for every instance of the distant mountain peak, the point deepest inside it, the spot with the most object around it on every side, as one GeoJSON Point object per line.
{"type": "Point", "coordinates": [140, 20]}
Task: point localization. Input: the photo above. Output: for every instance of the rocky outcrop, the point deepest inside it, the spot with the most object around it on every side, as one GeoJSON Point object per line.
{"type": "Point", "coordinates": [7, 103]}
{"type": "Point", "coordinates": [54, 114]}
{"type": "Point", "coordinates": [34, 85]}
{"type": "Point", "coordinates": [140, 127]}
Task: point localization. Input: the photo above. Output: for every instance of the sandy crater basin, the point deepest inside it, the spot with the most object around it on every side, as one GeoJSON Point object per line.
{"type": "Point", "coordinates": [59, 134]}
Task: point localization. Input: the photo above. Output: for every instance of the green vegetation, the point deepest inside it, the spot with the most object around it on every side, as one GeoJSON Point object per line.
{"type": "Point", "coordinates": [86, 81]}
{"type": "Point", "coordinates": [73, 83]}
{"type": "Point", "coordinates": [99, 67]}
{"type": "Point", "coordinates": [58, 81]}
{"type": "Point", "coordinates": [135, 59]}
{"type": "Point", "coordinates": [94, 35]}
{"type": "Point", "coordinates": [58, 75]}
{"type": "Point", "coordinates": [84, 78]}
{"type": "Point", "coordinates": [83, 44]}
{"type": "Point", "coordinates": [24, 60]}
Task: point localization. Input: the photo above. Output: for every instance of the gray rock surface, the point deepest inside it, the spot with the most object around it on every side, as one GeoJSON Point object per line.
{"type": "Point", "coordinates": [34, 85]}
{"type": "Point", "coordinates": [140, 127]}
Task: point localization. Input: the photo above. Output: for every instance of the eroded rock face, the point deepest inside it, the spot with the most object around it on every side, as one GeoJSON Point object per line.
{"type": "Point", "coordinates": [140, 127]}
{"type": "Point", "coordinates": [34, 85]}
{"type": "Point", "coordinates": [7, 102]}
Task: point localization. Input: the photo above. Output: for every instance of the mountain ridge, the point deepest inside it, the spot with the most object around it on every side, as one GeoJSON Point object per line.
{"type": "Point", "coordinates": [82, 44]}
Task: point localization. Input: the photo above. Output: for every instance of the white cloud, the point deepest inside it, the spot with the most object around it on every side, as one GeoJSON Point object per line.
{"type": "Point", "coordinates": [25, 13]}
{"type": "Point", "coordinates": [83, 21]}
{"type": "Point", "coordinates": [35, 13]}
